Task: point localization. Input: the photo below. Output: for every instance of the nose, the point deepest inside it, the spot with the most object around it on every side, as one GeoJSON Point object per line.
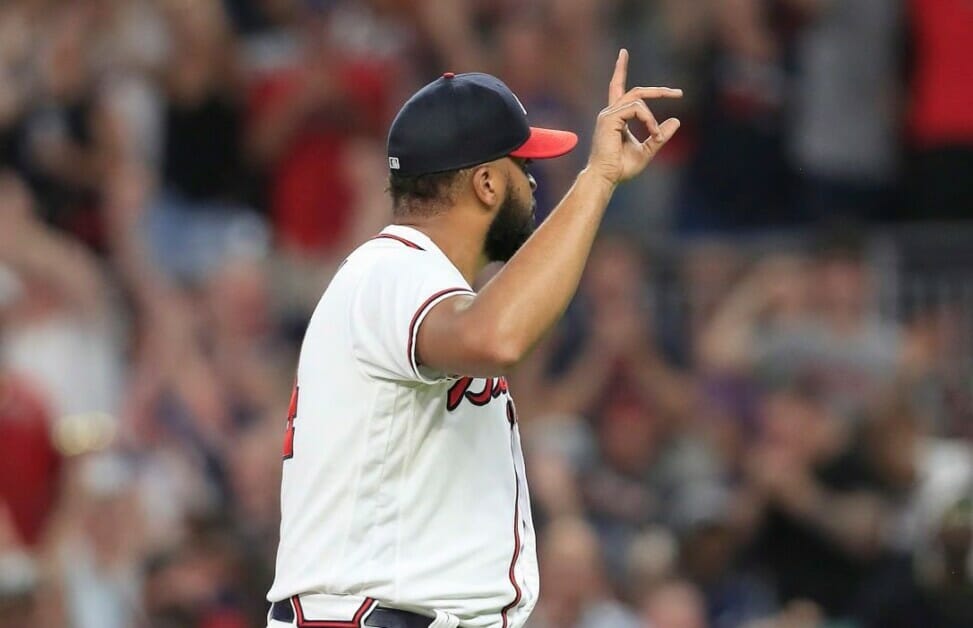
{"type": "Point", "coordinates": [533, 182]}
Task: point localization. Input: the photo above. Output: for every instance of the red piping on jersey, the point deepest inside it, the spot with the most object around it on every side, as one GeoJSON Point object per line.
{"type": "Point", "coordinates": [415, 319]}
{"type": "Point", "coordinates": [513, 561]}
{"type": "Point", "coordinates": [320, 623]}
{"type": "Point", "coordinates": [408, 243]}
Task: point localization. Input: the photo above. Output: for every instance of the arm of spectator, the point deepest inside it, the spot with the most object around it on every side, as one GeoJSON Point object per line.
{"type": "Point", "coordinates": [288, 106]}
{"type": "Point", "coordinates": [83, 164]}
{"type": "Point", "coordinates": [367, 171]}
{"type": "Point", "coordinates": [14, 95]}
{"type": "Point", "coordinates": [36, 251]}
{"type": "Point", "coordinates": [9, 537]}
{"type": "Point", "coordinates": [728, 341]}
{"type": "Point", "coordinates": [69, 161]}
{"type": "Point", "coordinates": [579, 388]}
{"type": "Point", "coordinates": [448, 24]}
{"type": "Point", "coordinates": [743, 30]}
{"type": "Point", "coordinates": [169, 349]}
{"type": "Point", "coordinates": [126, 195]}
{"type": "Point", "coordinates": [725, 343]}
{"type": "Point", "coordinates": [852, 520]}
{"type": "Point", "coordinates": [554, 485]}
{"type": "Point", "coordinates": [274, 129]}
{"type": "Point", "coordinates": [671, 390]}
{"type": "Point", "coordinates": [529, 380]}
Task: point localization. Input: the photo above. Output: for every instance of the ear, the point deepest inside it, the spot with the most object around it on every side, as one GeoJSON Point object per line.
{"type": "Point", "coordinates": [489, 183]}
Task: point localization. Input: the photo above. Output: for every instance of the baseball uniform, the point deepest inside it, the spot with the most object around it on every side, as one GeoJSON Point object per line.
{"type": "Point", "coordinates": [402, 486]}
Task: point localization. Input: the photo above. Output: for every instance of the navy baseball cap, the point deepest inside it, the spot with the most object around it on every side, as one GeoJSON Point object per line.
{"type": "Point", "coordinates": [461, 120]}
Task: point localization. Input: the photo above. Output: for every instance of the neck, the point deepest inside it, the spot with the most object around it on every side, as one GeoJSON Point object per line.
{"type": "Point", "coordinates": [463, 247]}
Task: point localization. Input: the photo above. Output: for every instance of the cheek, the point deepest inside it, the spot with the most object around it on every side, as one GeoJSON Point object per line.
{"type": "Point", "coordinates": [519, 185]}
{"type": "Point", "coordinates": [529, 188]}
{"type": "Point", "coordinates": [525, 201]}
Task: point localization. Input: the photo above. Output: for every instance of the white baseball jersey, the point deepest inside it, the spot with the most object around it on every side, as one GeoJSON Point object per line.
{"type": "Point", "coordinates": [401, 484]}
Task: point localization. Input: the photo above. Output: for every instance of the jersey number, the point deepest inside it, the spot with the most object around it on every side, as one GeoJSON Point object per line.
{"type": "Point", "coordinates": [289, 434]}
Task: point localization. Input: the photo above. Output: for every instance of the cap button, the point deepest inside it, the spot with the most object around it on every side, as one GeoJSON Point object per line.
{"type": "Point", "coordinates": [448, 75]}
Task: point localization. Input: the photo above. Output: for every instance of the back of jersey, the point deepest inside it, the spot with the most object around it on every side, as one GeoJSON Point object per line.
{"type": "Point", "coordinates": [357, 381]}
{"type": "Point", "coordinates": [319, 455]}
{"type": "Point", "coordinates": [401, 483]}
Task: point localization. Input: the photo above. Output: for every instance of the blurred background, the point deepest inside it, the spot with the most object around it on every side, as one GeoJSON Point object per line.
{"type": "Point", "coordinates": [757, 412]}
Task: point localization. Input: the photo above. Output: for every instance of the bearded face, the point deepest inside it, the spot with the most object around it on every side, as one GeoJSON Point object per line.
{"type": "Point", "coordinates": [511, 227]}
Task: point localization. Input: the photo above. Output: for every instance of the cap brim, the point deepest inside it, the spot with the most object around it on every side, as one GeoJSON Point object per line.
{"type": "Point", "coordinates": [546, 143]}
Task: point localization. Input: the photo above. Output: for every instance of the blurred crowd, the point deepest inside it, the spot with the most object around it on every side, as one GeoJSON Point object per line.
{"type": "Point", "coordinates": [718, 434]}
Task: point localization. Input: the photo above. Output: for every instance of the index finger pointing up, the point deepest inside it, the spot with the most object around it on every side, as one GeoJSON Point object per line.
{"type": "Point", "coordinates": [616, 89]}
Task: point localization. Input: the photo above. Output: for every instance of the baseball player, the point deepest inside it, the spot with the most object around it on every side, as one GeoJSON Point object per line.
{"type": "Point", "coordinates": [404, 501]}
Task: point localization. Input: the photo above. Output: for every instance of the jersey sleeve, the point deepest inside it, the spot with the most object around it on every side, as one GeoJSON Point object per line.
{"type": "Point", "coordinates": [392, 299]}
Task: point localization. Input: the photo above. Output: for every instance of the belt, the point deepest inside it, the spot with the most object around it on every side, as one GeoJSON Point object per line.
{"type": "Point", "coordinates": [380, 617]}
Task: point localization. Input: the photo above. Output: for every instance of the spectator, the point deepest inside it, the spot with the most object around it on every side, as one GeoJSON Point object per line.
{"type": "Point", "coordinates": [59, 147]}
{"type": "Point", "coordinates": [675, 604]}
{"type": "Point", "coordinates": [948, 584]}
{"type": "Point", "coordinates": [97, 544]}
{"type": "Point", "coordinates": [15, 50]}
{"type": "Point", "coordinates": [933, 356]}
{"type": "Point", "coordinates": [20, 590]}
{"type": "Point", "coordinates": [255, 480]}
{"type": "Point", "coordinates": [202, 158]}
{"type": "Point", "coordinates": [818, 535]}
{"type": "Point", "coordinates": [63, 307]}
{"type": "Point", "coordinates": [193, 584]}
{"type": "Point", "coordinates": [201, 216]}
{"type": "Point", "coordinates": [615, 353]}
{"type": "Point", "coordinates": [713, 558]}
{"type": "Point", "coordinates": [738, 177]}
{"type": "Point", "coordinates": [561, 447]}
{"type": "Point", "coordinates": [576, 592]}
{"type": "Point", "coordinates": [791, 321]}
{"type": "Point", "coordinates": [527, 56]}
{"type": "Point", "coordinates": [671, 39]}
{"type": "Point", "coordinates": [844, 133]}
{"type": "Point", "coordinates": [941, 110]}
{"type": "Point", "coordinates": [303, 118]}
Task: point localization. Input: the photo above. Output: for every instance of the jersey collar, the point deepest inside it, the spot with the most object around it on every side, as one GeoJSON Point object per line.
{"type": "Point", "coordinates": [414, 237]}
{"type": "Point", "coordinates": [411, 235]}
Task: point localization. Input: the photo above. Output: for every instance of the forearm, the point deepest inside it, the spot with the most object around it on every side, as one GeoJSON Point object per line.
{"type": "Point", "coordinates": [668, 388]}
{"type": "Point", "coordinates": [65, 265]}
{"type": "Point", "coordinates": [272, 134]}
{"type": "Point", "coordinates": [742, 28]}
{"type": "Point", "coordinates": [726, 342]}
{"type": "Point", "coordinates": [530, 293]}
{"type": "Point", "coordinates": [133, 261]}
{"type": "Point", "coordinates": [852, 521]}
{"type": "Point", "coordinates": [579, 389]}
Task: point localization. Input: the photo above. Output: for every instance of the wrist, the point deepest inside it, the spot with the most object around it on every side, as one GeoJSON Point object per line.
{"type": "Point", "coordinates": [603, 181]}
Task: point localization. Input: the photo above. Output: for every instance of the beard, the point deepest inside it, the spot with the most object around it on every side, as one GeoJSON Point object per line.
{"type": "Point", "coordinates": [511, 227]}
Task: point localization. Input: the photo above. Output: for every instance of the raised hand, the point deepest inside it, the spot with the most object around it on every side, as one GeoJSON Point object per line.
{"type": "Point", "coordinates": [615, 153]}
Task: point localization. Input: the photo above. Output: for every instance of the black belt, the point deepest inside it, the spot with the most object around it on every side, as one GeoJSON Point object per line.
{"type": "Point", "coordinates": [379, 618]}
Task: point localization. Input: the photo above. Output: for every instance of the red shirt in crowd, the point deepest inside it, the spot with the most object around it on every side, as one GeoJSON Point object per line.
{"type": "Point", "coordinates": [942, 93]}
{"type": "Point", "coordinates": [310, 195]}
{"type": "Point", "coordinates": [29, 464]}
